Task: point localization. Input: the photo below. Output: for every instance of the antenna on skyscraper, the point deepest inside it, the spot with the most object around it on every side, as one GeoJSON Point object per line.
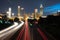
{"type": "Point", "coordinates": [41, 10]}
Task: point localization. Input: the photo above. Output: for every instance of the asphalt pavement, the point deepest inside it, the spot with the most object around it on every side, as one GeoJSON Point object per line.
{"type": "Point", "coordinates": [32, 32]}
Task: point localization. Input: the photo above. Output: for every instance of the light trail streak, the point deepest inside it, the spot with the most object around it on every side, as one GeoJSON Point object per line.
{"type": "Point", "coordinates": [42, 34]}
{"type": "Point", "coordinates": [5, 30]}
{"type": "Point", "coordinates": [11, 31]}
{"type": "Point", "coordinates": [50, 35]}
{"type": "Point", "coordinates": [27, 35]}
{"type": "Point", "coordinates": [20, 34]}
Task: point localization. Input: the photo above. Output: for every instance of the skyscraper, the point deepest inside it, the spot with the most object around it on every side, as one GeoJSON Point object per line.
{"type": "Point", "coordinates": [18, 11]}
{"type": "Point", "coordinates": [41, 10]}
{"type": "Point", "coordinates": [35, 13]}
{"type": "Point", "coordinates": [9, 14]}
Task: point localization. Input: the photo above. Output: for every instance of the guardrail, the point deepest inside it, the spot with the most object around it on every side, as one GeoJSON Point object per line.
{"type": "Point", "coordinates": [10, 30]}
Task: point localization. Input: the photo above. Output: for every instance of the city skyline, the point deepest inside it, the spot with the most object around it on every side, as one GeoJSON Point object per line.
{"type": "Point", "coordinates": [29, 19]}
{"type": "Point", "coordinates": [29, 5]}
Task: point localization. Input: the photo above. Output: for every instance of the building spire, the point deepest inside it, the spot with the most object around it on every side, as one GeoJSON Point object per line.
{"type": "Point", "coordinates": [41, 6]}
{"type": "Point", "coordinates": [41, 10]}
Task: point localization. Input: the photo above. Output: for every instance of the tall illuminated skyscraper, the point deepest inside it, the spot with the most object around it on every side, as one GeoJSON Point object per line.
{"type": "Point", "coordinates": [35, 13]}
{"type": "Point", "coordinates": [18, 11]}
{"type": "Point", "coordinates": [9, 14]}
{"type": "Point", "coordinates": [41, 10]}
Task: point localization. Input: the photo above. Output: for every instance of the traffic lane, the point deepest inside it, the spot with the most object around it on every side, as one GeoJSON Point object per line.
{"type": "Point", "coordinates": [34, 29]}
{"type": "Point", "coordinates": [20, 35]}
{"type": "Point", "coordinates": [49, 35]}
{"type": "Point", "coordinates": [14, 37]}
{"type": "Point", "coordinates": [41, 28]}
{"type": "Point", "coordinates": [34, 33]}
{"type": "Point", "coordinates": [6, 32]}
{"type": "Point", "coordinates": [14, 30]}
{"type": "Point", "coordinates": [26, 35]}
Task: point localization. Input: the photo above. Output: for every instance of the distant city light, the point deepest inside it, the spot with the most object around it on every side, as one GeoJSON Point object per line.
{"type": "Point", "coordinates": [12, 14]}
{"type": "Point", "coordinates": [18, 6]}
{"type": "Point", "coordinates": [9, 9]}
{"type": "Point", "coordinates": [22, 8]}
{"type": "Point", "coordinates": [58, 10]}
{"type": "Point", "coordinates": [30, 24]}
{"type": "Point", "coordinates": [7, 12]}
{"type": "Point", "coordinates": [36, 10]}
{"type": "Point", "coordinates": [44, 16]}
{"type": "Point", "coordinates": [1, 21]}
{"type": "Point", "coordinates": [36, 22]}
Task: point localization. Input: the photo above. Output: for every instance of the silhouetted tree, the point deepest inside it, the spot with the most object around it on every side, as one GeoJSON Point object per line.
{"type": "Point", "coordinates": [16, 19]}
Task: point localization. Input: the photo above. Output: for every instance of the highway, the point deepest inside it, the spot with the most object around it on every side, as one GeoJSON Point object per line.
{"type": "Point", "coordinates": [8, 32]}
{"type": "Point", "coordinates": [27, 30]}
{"type": "Point", "coordinates": [32, 32]}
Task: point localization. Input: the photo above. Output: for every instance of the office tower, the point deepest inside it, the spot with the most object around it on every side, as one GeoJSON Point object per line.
{"type": "Point", "coordinates": [35, 13]}
{"type": "Point", "coordinates": [41, 10]}
{"type": "Point", "coordinates": [9, 13]}
{"type": "Point", "coordinates": [18, 11]}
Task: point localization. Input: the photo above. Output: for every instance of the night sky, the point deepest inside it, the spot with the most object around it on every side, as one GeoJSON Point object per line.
{"type": "Point", "coordinates": [50, 6]}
